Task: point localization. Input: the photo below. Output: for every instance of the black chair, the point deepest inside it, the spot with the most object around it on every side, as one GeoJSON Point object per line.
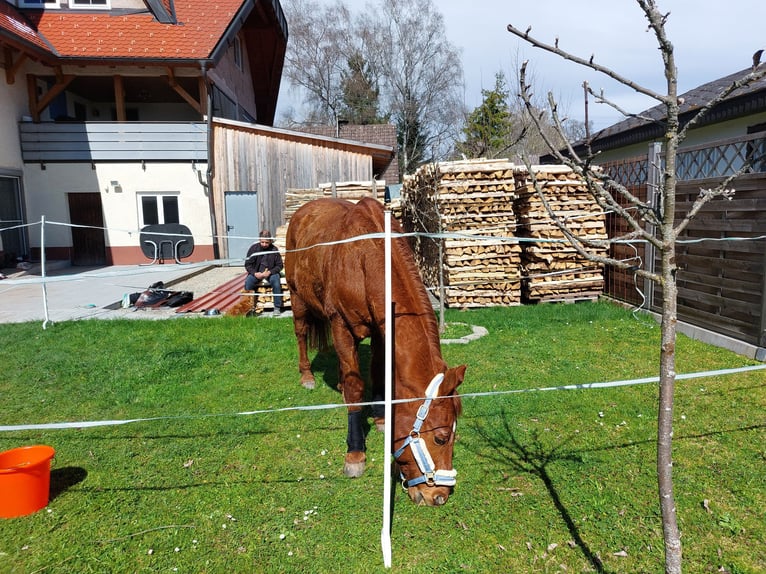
{"type": "Point", "coordinates": [165, 241]}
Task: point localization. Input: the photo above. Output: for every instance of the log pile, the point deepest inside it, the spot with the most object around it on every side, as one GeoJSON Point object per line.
{"type": "Point", "coordinates": [351, 190]}
{"type": "Point", "coordinates": [519, 254]}
{"type": "Point", "coordinates": [553, 269]}
{"type": "Point", "coordinates": [295, 198]}
{"type": "Point", "coordinates": [472, 198]}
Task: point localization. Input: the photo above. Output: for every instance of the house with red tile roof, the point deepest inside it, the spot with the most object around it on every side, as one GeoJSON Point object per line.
{"type": "Point", "coordinates": [108, 116]}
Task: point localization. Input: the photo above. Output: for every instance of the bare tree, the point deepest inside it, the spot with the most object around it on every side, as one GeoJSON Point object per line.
{"type": "Point", "coordinates": [421, 74]}
{"type": "Point", "coordinates": [405, 52]}
{"type": "Point", "coordinates": [320, 46]}
{"type": "Point", "coordinates": [656, 224]}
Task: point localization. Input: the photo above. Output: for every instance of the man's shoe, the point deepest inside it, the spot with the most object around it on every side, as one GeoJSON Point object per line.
{"type": "Point", "coordinates": [277, 312]}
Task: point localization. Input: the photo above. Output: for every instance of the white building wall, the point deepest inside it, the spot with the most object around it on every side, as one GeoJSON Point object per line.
{"type": "Point", "coordinates": [13, 103]}
{"type": "Point", "coordinates": [695, 137]}
{"type": "Point", "coordinates": [119, 200]}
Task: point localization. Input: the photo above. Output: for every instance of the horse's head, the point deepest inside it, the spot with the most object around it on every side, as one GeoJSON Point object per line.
{"type": "Point", "coordinates": [424, 437]}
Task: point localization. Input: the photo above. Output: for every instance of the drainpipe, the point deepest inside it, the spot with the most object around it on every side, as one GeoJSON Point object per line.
{"type": "Point", "coordinates": [208, 183]}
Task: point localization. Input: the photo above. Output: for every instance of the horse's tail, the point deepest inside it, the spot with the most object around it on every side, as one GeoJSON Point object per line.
{"type": "Point", "coordinates": [319, 334]}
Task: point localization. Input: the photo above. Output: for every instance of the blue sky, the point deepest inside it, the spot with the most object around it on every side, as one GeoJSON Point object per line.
{"type": "Point", "coordinates": [711, 39]}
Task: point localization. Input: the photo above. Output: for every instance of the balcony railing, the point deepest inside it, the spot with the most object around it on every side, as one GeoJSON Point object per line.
{"type": "Point", "coordinates": [49, 142]}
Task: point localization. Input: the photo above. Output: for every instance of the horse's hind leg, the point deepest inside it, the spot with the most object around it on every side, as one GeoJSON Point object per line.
{"type": "Point", "coordinates": [301, 326]}
{"type": "Point", "coordinates": [352, 386]}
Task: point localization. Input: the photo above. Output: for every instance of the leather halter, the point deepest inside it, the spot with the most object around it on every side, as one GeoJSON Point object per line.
{"type": "Point", "coordinates": [430, 476]}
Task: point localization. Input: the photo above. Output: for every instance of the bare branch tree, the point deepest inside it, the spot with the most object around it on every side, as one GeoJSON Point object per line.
{"type": "Point", "coordinates": [655, 224]}
{"type": "Point", "coordinates": [317, 55]}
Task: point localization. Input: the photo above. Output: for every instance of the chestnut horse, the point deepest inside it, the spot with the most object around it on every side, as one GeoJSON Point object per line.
{"type": "Point", "coordinates": [342, 284]}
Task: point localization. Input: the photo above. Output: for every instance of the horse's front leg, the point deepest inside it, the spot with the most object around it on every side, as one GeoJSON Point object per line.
{"type": "Point", "coordinates": [352, 387]}
{"type": "Point", "coordinates": [301, 326]}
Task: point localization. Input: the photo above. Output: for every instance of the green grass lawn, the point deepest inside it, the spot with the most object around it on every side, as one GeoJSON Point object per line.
{"type": "Point", "coordinates": [553, 481]}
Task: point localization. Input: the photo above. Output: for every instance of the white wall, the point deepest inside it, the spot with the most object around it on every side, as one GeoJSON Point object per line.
{"type": "Point", "coordinates": [47, 195]}
{"type": "Point", "coordinates": [13, 105]}
{"type": "Point", "coordinates": [719, 131]}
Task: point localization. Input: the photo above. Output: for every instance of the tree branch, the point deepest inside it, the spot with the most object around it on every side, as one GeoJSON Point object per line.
{"type": "Point", "coordinates": [554, 49]}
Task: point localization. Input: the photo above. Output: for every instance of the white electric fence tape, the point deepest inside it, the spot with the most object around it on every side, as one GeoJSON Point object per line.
{"type": "Point", "coordinates": [328, 406]}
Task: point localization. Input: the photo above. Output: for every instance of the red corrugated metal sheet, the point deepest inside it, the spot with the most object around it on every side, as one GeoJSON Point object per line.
{"type": "Point", "coordinates": [223, 297]}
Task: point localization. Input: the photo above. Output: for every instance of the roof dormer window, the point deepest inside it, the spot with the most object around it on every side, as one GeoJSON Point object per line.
{"type": "Point", "coordinates": [39, 3]}
{"type": "Point", "coordinates": [100, 4]}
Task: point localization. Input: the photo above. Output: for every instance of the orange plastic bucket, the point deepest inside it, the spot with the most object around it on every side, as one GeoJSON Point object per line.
{"type": "Point", "coordinates": [25, 480]}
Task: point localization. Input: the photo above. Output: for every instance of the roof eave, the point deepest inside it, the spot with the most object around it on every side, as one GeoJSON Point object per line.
{"type": "Point", "coordinates": [733, 108]}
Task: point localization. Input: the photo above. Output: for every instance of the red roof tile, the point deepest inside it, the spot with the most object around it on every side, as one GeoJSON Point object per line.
{"type": "Point", "coordinates": [12, 21]}
{"type": "Point", "coordinates": [78, 34]}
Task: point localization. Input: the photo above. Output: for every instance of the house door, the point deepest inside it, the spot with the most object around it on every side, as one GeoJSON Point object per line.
{"type": "Point", "coordinates": [88, 243]}
{"type": "Point", "coordinates": [13, 238]}
{"type": "Point", "coordinates": [242, 222]}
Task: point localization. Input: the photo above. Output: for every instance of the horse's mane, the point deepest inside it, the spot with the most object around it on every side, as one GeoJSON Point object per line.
{"type": "Point", "coordinates": [408, 273]}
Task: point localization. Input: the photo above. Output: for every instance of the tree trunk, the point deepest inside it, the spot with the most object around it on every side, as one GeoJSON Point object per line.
{"type": "Point", "coordinates": [672, 536]}
{"type": "Point", "coordinates": [670, 530]}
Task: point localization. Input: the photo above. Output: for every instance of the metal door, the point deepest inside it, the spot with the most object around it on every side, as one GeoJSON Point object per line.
{"type": "Point", "coordinates": [242, 223]}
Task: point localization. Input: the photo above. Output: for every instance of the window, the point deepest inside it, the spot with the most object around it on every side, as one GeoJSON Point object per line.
{"type": "Point", "coordinates": [89, 4]}
{"type": "Point", "coordinates": [158, 208]}
{"type": "Point", "coordinates": [238, 53]}
{"type": "Point", "coordinates": [39, 3]}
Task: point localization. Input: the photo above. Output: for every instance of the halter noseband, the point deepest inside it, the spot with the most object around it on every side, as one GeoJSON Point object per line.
{"type": "Point", "coordinates": [430, 476]}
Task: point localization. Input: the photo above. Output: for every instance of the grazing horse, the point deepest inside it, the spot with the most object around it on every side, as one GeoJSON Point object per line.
{"type": "Point", "coordinates": [341, 283]}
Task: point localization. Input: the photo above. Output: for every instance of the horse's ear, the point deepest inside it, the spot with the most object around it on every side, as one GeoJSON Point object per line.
{"type": "Point", "coordinates": [453, 379]}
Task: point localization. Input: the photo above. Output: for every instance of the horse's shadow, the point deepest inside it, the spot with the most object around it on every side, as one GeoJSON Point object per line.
{"type": "Point", "coordinates": [325, 365]}
{"type": "Point", "coordinates": [533, 458]}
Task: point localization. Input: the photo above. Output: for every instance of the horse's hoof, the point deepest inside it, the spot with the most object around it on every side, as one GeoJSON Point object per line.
{"type": "Point", "coordinates": [380, 423]}
{"type": "Point", "coordinates": [353, 469]}
{"type": "Point", "coordinates": [354, 463]}
{"type": "Point", "coordinates": [310, 384]}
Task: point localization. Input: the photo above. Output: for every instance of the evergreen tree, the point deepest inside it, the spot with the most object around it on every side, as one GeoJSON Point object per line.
{"type": "Point", "coordinates": [488, 128]}
{"type": "Point", "coordinates": [360, 103]}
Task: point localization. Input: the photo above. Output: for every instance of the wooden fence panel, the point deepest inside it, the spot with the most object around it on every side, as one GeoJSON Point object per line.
{"type": "Point", "coordinates": [721, 256]}
{"type": "Point", "coordinates": [721, 279]}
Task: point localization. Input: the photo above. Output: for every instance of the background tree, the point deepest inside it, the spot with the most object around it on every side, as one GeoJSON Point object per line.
{"type": "Point", "coordinates": [360, 93]}
{"type": "Point", "coordinates": [488, 128]}
{"type": "Point", "coordinates": [656, 224]}
{"type": "Point", "coordinates": [421, 74]}
{"type": "Point", "coordinates": [317, 54]}
{"type": "Point", "coordinates": [398, 48]}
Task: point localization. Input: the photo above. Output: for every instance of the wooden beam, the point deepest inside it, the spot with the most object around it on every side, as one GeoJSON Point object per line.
{"type": "Point", "coordinates": [32, 97]}
{"type": "Point", "coordinates": [11, 68]}
{"type": "Point", "coordinates": [119, 99]}
{"type": "Point", "coordinates": [184, 94]}
{"type": "Point", "coordinates": [203, 95]}
{"type": "Point", "coordinates": [62, 81]}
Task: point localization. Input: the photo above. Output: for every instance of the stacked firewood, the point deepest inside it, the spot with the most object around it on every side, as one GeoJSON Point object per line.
{"type": "Point", "coordinates": [480, 267]}
{"type": "Point", "coordinates": [553, 269]}
{"type": "Point", "coordinates": [351, 190]}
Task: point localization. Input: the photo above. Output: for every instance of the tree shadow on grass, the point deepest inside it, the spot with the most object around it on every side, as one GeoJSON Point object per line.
{"type": "Point", "coordinates": [533, 458]}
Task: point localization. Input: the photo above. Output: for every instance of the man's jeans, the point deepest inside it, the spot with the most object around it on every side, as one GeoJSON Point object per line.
{"type": "Point", "coordinates": [251, 283]}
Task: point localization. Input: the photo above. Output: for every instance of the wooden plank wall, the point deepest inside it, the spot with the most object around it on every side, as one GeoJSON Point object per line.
{"type": "Point", "coordinates": [722, 284]}
{"type": "Point", "coordinates": [249, 161]}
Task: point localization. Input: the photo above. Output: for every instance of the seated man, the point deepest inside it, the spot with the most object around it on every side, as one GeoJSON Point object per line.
{"type": "Point", "coordinates": [263, 262]}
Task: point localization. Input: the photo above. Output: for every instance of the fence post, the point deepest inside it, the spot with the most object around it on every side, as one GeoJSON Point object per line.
{"type": "Point", "coordinates": [42, 272]}
{"type": "Point", "coordinates": [762, 334]}
{"type": "Point", "coordinates": [653, 198]}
